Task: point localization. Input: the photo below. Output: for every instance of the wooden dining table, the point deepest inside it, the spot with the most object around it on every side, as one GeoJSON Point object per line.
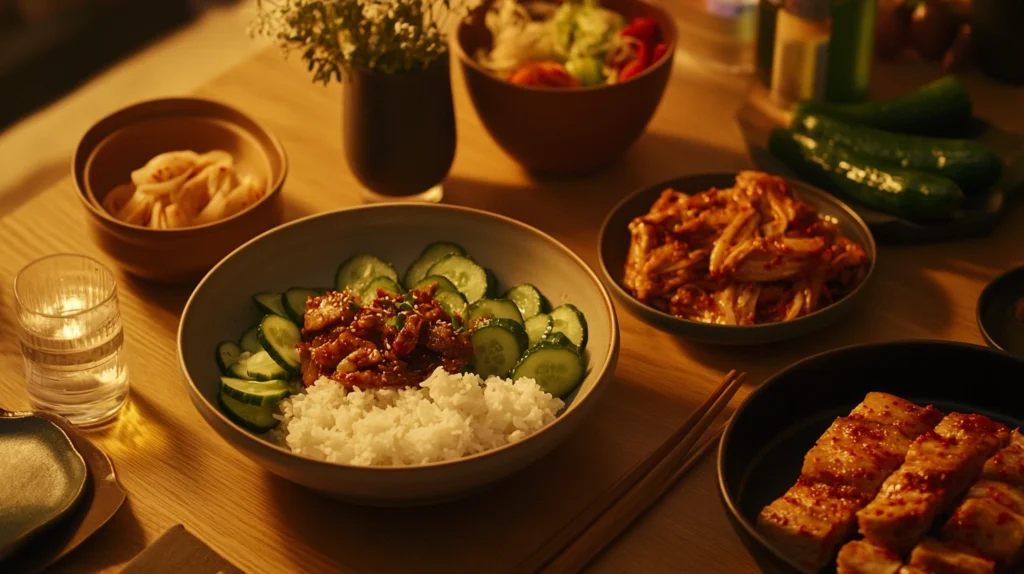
{"type": "Point", "coordinates": [176, 470]}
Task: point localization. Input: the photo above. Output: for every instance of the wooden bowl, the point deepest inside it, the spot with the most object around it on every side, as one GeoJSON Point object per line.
{"type": "Point", "coordinates": [564, 131]}
{"type": "Point", "coordinates": [308, 251]}
{"type": "Point", "coordinates": [613, 248]}
{"type": "Point", "coordinates": [127, 139]}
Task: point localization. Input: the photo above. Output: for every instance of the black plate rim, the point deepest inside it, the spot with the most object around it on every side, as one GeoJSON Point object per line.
{"type": "Point", "coordinates": [732, 506]}
{"type": "Point", "coordinates": [798, 186]}
{"type": "Point", "coordinates": [983, 298]}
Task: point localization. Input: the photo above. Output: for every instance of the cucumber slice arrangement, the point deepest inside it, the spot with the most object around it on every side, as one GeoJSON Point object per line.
{"type": "Point", "coordinates": [256, 418]}
{"type": "Point", "coordinates": [430, 255]}
{"type": "Point", "coordinates": [469, 278]}
{"type": "Point", "coordinates": [279, 338]}
{"type": "Point", "coordinates": [494, 309]}
{"type": "Point", "coordinates": [497, 346]}
{"type": "Point", "coordinates": [443, 284]}
{"type": "Point", "coordinates": [516, 335]}
{"type": "Point", "coordinates": [538, 327]}
{"type": "Point", "coordinates": [270, 303]}
{"type": "Point", "coordinates": [529, 300]}
{"type": "Point", "coordinates": [556, 368]}
{"type": "Point", "coordinates": [294, 302]}
{"type": "Point", "coordinates": [359, 270]}
{"type": "Point", "coordinates": [228, 353]}
{"type": "Point", "coordinates": [570, 322]}
{"type": "Point", "coordinates": [254, 393]}
{"type": "Point", "coordinates": [389, 285]}
{"type": "Point", "coordinates": [250, 341]}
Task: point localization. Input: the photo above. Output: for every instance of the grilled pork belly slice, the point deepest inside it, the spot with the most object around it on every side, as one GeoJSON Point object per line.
{"type": "Point", "coordinates": [912, 420]}
{"type": "Point", "coordinates": [856, 452]}
{"type": "Point", "coordinates": [863, 557]}
{"type": "Point", "coordinates": [1008, 496]}
{"type": "Point", "coordinates": [936, 557]}
{"type": "Point", "coordinates": [913, 570]}
{"type": "Point", "coordinates": [1008, 465]}
{"type": "Point", "coordinates": [809, 521]}
{"type": "Point", "coordinates": [939, 467]}
{"type": "Point", "coordinates": [988, 527]}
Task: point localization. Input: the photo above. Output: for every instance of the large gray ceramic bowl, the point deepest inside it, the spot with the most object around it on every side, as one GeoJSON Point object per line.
{"type": "Point", "coordinates": [308, 251]}
{"type": "Point", "coordinates": [614, 242]}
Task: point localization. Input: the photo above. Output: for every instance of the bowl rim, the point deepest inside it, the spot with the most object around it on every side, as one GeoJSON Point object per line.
{"type": "Point", "coordinates": [983, 303]}
{"type": "Point", "coordinates": [603, 372]}
{"type": "Point", "coordinates": [797, 186]}
{"type": "Point", "coordinates": [731, 505]}
{"type": "Point", "coordinates": [273, 187]}
{"type": "Point", "coordinates": [667, 59]}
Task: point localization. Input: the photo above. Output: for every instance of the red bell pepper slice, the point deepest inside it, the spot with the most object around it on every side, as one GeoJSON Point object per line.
{"type": "Point", "coordinates": [659, 51]}
{"type": "Point", "coordinates": [643, 29]}
{"type": "Point", "coordinates": [638, 64]}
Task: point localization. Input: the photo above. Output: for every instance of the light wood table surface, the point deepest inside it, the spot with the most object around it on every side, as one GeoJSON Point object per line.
{"type": "Point", "coordinates": [176, 470]}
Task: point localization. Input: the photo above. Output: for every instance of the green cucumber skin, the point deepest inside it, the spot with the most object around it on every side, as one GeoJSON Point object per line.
{"type": "Point", "coordinates": [942, 107]}
{"type": "Point", "coordinates": [973, 166]}
{"type": "Point", "coordinates": [906, 193]}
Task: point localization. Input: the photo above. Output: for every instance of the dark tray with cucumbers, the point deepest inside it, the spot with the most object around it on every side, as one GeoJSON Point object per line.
{"type": "Point", "coordinates": [514, 335]}
{"type": "Point", "coordinates": [906, 165]}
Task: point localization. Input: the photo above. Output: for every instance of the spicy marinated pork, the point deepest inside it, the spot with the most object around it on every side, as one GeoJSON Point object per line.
{"type": "Point", "coordinates": [752, 253]}
{"type": "Point", "coordinates": [841, 474]}
{"type": "Point", "coordinates": [394, 341]}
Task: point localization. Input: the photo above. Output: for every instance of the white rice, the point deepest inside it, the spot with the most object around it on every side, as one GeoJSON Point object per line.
{"type": "Point", "coordinates": [448, 417]}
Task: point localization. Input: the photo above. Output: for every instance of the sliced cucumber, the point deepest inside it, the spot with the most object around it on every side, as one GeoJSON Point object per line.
{"type": "Point", "coordinates": [294, 303]}
{"type": "Point", "coordinates": [250, 341]}
{"type": "Point", "coordinates": [529, 300]}
{"type": "Point", "coordinates": [538, 327]}
{"type": "Point", "coordinates": [453, 303]}
{"type": "Point", "coordinates": [369, 293]}
{"type": "Point", "coordinates": [494, 309]}
{"type": "Point", "coordinates": [270, 303]}
{"type": "Point", "coordinates": [239, 371]}
{"type": "Point", "coordinates": [559, 340]}
{"type": "Point", "coordinates": [497, 346]}
{"type": "Point", "coordinates": [228, 354]}
{"type": "Point", "coordinates": [443, 284]}
{"type": "Point", "coordinates": [280, 337]}
{"type": "Point", "coordinates": [253, 392]}
{"type": "Point", "coordinates": [359, 270]}
{"type": "Point", "coordinates": [430, 255]}
{"type": "Point", "coordinates": [256, 418]}
{"type": "Point", "coordinates": [262, 367]}
{"type": "Point", "coordinates": [570, 322]}
{"type": "Point", "coordinates": [557, 369]}
{"type": "Point", "coordinates": [468, 277]}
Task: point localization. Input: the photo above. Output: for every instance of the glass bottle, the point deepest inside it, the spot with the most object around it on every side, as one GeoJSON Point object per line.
{"type": "Point", "coordinates": [803, 29]}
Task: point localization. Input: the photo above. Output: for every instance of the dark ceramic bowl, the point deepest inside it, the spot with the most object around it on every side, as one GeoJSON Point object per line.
{"type": "Point", "coordinates": [762, 450]}
{"type": "Point", "coordinates": [613, 246]}
{"type": "Point", "coordinates": [564, 131]}
{"type": "Point", "coordinates": [997, 308]}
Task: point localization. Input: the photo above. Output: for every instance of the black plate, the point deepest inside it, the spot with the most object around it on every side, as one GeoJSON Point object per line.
{"type": "Point", "coordinates": [613, 247]}
{"type": "Point", "coordinates": [763, 447]}
{"type": "Point", "coordinates": [980, 212]}
{"type": "Point", "coordinates": [997, 308]}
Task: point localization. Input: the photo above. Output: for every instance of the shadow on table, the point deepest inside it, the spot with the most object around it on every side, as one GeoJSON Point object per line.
{"type": "Point", "coordinates": [35, 182]}
{"type": "Point", "coordinates": [117, 542]}
{"type": "Point", "coordinates": [497, 528]}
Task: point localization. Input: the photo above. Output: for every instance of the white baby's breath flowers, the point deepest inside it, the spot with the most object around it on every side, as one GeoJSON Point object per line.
{"type": "Point", "coordinates": [389, 36]}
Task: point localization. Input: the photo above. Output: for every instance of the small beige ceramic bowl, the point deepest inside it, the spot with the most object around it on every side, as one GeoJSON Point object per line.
{"type": "Point", "coordinates": [127, 139]}
{"type": "Point", "coordinates": [308, 251]}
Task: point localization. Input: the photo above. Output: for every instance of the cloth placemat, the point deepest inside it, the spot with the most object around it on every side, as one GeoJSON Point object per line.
{"type": "Point", "coordinates": [178, 551]}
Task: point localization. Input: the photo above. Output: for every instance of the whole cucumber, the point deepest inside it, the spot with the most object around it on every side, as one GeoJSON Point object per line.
{"type": "Point", "coordinates": [941, 108]}
{"type": "Point", "coordinates": [910, 194]}
{"type": "Point", "coordinates": [973, 166]}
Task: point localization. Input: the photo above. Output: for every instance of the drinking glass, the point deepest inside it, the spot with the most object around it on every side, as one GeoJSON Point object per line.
{"type": "Point", "coordinates": [72, 341]}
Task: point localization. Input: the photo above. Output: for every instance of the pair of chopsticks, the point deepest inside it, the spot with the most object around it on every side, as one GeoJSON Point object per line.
{"type": "Point", "coordinates": [594, 529]}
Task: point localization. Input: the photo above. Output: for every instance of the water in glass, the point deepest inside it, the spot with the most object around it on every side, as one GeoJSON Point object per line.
{"type": "Point", "coordinates": [71, 338]}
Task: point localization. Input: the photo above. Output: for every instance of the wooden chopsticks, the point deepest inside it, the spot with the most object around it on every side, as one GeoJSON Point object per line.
{"type": "Point", "coordinates": [600, 523]}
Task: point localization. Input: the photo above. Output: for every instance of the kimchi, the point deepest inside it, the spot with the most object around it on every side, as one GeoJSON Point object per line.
{"type": "Point", "coordinates": [749, 254]}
